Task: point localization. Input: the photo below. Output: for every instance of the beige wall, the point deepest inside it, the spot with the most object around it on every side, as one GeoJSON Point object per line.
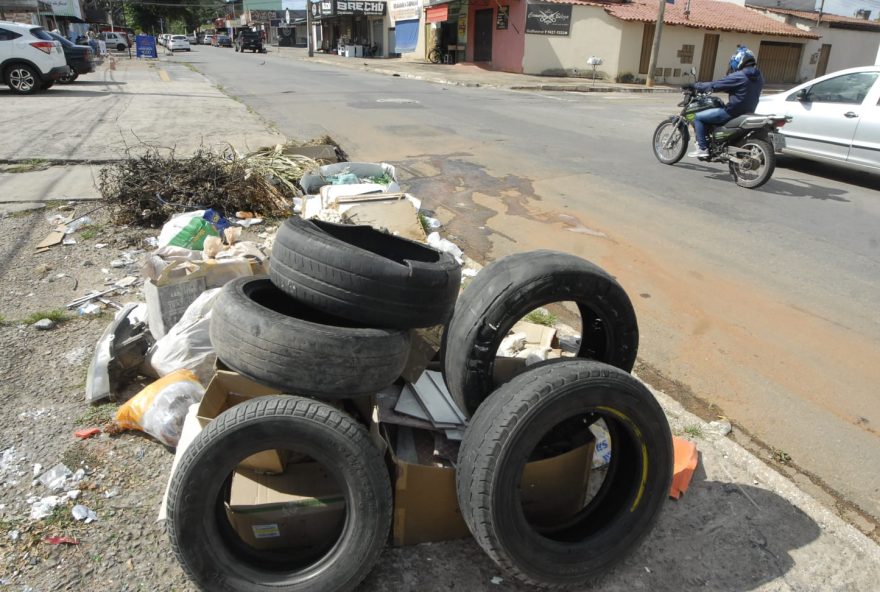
{"type": "Point", "coordinates": [848, 50]}
{"type": "Point", "coordinates": [593, 33]}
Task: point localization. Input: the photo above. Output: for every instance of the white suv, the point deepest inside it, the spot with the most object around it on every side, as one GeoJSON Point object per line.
{"type": "Point", "coordinates": [114, 39]}
{"type": "Point", "coordinates": [30, 59]}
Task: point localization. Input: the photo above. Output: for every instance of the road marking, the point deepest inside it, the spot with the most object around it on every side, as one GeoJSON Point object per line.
{"type": "Point", "coordinates": [400, 101]}
{"type": "Point", "coordinates": [164, 76]}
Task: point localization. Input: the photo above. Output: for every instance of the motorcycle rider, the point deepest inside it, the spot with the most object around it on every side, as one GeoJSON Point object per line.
{"type": "Point", "coordinates": [744, 83]}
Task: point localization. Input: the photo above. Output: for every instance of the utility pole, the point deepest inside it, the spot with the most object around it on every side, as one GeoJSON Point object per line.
{"type": "Point", "coordinates": [821, 8]}
{"type": "Point", "coordinates": [309, 35]}
{"type": "Point", "coordinates": [655, 51]}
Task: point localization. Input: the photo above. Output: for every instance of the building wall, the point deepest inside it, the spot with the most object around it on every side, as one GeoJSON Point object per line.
{"type": "Point", "coordinates": [593, 33]}
{"type": "Point", "coordinates": [848, 50]}
{"type": "Point", "coordinates": [508, 44]}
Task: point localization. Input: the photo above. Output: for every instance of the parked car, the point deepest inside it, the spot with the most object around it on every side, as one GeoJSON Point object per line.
{"type": "Point", "coordinates": [834, 118]}
{"type": "Point", "coordinates": [193, 40]}
{"type": "Point", "coordinates": [114, 39]}
{"type": "Point", "coordinates": [223, 41]}
{"type": "Point", "coordinates": [178, 43]}
{"type": "Point", "coordinates": [208, 39]}
{"type": "Point", "coordinates": [80, 58]}
{"type": "Point", "coordinates": [249, 40]}
{"type": "Point", "coordinates": [30, 59]}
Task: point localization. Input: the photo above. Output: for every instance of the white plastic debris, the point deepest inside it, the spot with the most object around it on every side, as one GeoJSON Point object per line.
{"type": "Point", "coordinates": [441, 244]}
{"type": "Point", "coordinates": [537, 355]}
{"type": "Point", "coordinates": [468, 272]}
{"type": "Point", "coordinates": [73, 494]}
{"type": "Point", "coordinates": [92, 308]}
{"type": "Point", "coordinates": [77, 224]}
{"type": "Point", "coordinates": [42, 507]}
{"type": "Point", "coordinates": [497, 580]}
{"type": "Point", "coordinates": [511, 344]}
{"type": "Point", "coordinates": [248, 222]}
{"type": "Point", "coordinates": [81, 512]}
{"type": "Point", "coordinates": [38, 468]}
{"type": "Point", "coordinates": [602, 451]}
{"type": "Point", "coordinates": [431, 223]}
{"type": "Point", "coordinates": [14, 535]}
{"type": "Point", "coordinates": [56, 477]}
{"type": "Point", "coordinates": [100, 245]}
{"type": "Point", "coordinates": [721, 428]}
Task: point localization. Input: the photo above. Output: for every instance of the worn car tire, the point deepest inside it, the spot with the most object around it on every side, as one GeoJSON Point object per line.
{"type": "Point", "coordinates": [507, 290]}
{"type": "Point", "coordinates": [202, 539]}
{"type": "Point", "coordinates": [506, 429]}
{"type": "Point", "coordinates": [262, 333]}
{"type": "Point", "coordinates": [363, 274]}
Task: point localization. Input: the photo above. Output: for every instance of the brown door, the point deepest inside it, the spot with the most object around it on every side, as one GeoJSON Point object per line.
{"type": "Point", "coordinates": [779, 62]}
{"type": "Point", "coordinates": [647, 45]}
{"type": "Point", "coordinates": [824, 54]}
{"type": "Point", "coordinates": [483, 35]}
{"type": "Point", "coordinates": [707, 59]}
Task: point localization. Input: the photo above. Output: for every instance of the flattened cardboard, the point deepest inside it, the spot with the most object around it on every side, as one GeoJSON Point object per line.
{"type": "Point", "coordinates": [426, 503]}
{"type": "Point", "coordinates": [397, 217]}
{"type": "Point", "coordinates": [53, 238]}
{"type": "Point", "coordinates": [226, 390]}
{"type": "Point", "coordinates": [300, 509]}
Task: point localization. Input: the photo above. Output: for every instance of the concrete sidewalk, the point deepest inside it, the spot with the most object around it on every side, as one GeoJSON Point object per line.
{"type": "Point", "coordinates": [126, 106]}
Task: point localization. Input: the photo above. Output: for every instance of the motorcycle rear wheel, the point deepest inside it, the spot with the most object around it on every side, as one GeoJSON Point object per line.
{"type": "Point", "coordinates": [759, 167]}
{"type": "Point", "coordinates": [670, 142]}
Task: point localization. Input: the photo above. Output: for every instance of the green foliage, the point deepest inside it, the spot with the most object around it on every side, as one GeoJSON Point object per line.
{"type": "Point", "coordinates": [626, 78]}
{"type": "Point", "coordinates": [541, 316]}
{"type": "Point", "coordinates": [57, 315]}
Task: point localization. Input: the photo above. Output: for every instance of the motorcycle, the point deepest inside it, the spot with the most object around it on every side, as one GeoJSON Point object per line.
{"type": "Point", "coordinates": [748, 143]}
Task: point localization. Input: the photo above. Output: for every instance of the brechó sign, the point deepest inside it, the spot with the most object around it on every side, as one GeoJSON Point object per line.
{"type": "Point", "coordinates": [361, 7]}
{"type": "Point", "coordinates": [548, 19]}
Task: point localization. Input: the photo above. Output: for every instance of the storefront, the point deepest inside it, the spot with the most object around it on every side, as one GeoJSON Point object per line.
{"type": "Point", "coordinates": [405, 20]}
{"type": "Point", "coordinates": [354, 28]}
{"type": "Point", "coordinates": [446, 29]}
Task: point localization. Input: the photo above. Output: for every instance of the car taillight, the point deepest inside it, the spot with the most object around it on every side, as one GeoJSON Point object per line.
{"type": "Point", "coordinates": [44, 46]}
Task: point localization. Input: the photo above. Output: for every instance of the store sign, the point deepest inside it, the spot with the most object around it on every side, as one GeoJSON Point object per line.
{"type": "Point", "coordinates": [437, 14]}
{"type": "Point", "coordinates": [548, 19]}
{"type": "Point", "coordinates": [404, 10]}
{"type": "Point", "coordinates": [361, 7]}
{"type": "Point", "coordinates": [502, 18]}
{"type": "Point", "coordinates": [145, 46]}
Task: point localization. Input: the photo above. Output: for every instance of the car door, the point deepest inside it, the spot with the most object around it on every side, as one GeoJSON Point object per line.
{"type": "Point", "coordinates": [826, 114]}
{"type": "Point", "coordinates": [865, 148]}
{"type": "Point", "coordinates": [6, 43]}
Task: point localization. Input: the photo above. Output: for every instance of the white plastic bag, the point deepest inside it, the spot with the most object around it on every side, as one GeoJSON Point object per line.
{"type": "Point", "coordinates": [160, 408]}
{"type": "Point", "coordinates": [187, 345]}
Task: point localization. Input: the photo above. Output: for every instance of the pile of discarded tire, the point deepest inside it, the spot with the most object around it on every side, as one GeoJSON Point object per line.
{"type": "Point", "coordinates": [332, 322]}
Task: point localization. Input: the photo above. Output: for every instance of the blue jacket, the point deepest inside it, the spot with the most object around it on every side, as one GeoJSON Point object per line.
{"type": "Point", "coordinates": [744, 88]}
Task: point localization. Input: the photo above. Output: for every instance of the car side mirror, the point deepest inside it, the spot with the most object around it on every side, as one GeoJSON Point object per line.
{"type": "Point", "coordinates": [803, 96]}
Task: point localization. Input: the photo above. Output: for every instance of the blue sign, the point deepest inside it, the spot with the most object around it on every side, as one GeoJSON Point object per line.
{"type": "Point", "coordinates": [146, 46]}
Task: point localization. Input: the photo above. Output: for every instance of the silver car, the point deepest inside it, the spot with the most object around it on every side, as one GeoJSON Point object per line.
{"type": "Point", "coordinates": [835, 118]}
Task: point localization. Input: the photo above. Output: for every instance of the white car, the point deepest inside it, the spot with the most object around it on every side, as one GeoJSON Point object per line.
{"type": "Point", "coordinates": [31, 60]}
{"type": "Point", "coordinates": [835, 118]}
{"type": "Point", "coordinates": [178, 43]}
{"type": "Point", "coordinates": [114, 39]}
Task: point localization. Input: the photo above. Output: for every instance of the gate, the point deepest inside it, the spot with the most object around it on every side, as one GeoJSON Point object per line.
{"type": "Point", "coordinates": [779, 62]}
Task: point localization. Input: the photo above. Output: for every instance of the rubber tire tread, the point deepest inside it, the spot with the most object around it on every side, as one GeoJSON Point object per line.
{"type": "Point", "coordinates": [771, 166]}
{"type": "Point", "coordinates": [502, 419]}
{"type": "Point", "coordinates": [346, 439]}
{"type": "Point", "coordinates": [351, 282]}
{"type": "Point", "coordinates": [299, 356]}
{"type": "Point", "coordinates": [508, 289]}
{"type": "Point", "coordinates": [685, 138]}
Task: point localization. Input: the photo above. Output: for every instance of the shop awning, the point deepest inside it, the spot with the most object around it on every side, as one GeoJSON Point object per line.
{"type": "Point", "coordinates": [437, 14]}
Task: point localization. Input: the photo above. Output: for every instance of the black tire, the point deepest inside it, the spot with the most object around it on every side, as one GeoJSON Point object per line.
{"type": "Point", "coordinates": [262, 333]}
{"type": "Point", "coordinates": [236, 49]}
{"type": "Point", "coordinates": [209, 551]}
{"type": "Point", "coordinates": [120, 47]}
{"type": "Point", "coordinates": [47, 85]}
{"type": "Point", "coordinates": [677, 139]}
{"type": "Point", "coordinates": [22, 79]}
{"type": "Point", "coordinates": [69, 78]}
{"type": "Point", "coordinates": [508, 427]}
{"type": "Point", "coordinates": [363, 274]}
{"type": "Point", "coordinates": [507, 290]}
{"type": "Point", "coordinates": [760, 166]}
{"type": "Point", "coordinates": [434, 56]}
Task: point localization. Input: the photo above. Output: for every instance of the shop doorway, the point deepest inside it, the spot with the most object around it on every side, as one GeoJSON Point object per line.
{"type": "Point", "coordinates": [483, 21]}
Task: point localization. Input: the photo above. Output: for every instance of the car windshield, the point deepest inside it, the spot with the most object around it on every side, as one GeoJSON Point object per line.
{"type": "Point", "coordinates": [64, 40]}
{"type": "Point", "coordinates": [222, 37]}
{"type": "Point", "coordinates": [40, 33]}
{"type": "Point", "coordinates": [179, 38]}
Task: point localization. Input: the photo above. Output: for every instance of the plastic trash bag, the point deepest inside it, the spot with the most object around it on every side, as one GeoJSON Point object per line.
{"type": "Point", "coordinates": [160, 408]}
{"type": "Point", "coordinates": [187, 230]}
{"type": "Point", "coordinates": [188, 345]}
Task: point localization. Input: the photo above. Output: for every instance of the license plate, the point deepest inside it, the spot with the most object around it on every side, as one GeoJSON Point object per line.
{"type": "Point", "coordinates": [778, 142]}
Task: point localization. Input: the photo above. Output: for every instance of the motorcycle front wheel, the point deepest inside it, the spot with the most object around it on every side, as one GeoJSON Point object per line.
{"type": "Point", "coordinates": [670, 142]}
{"type": "Point", "coordinates": [757, 167]}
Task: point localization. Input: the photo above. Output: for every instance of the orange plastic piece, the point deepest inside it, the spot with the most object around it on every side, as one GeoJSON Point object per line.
{"type": "Point", "coordinates": [87, 433]}
{"type": "Point", "coordinates": [683, 468]}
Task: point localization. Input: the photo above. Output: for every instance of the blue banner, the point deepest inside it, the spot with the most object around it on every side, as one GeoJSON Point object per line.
{"type": "Point", "coordinates": [145, 46]}
{"type": "Point", "coordinates": [406, 36]}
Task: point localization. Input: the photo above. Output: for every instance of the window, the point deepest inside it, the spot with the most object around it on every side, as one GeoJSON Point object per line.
{"type": "Point", "coordinates": [7, 35]}
{"type": "Point", "coordinates": [849, 89]}
{"type": "Point", "coordinates": [41, 34]}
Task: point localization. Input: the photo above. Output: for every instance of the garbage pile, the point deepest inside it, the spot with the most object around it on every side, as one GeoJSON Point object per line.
{"type": "Point", "coordinates": [333, 387]}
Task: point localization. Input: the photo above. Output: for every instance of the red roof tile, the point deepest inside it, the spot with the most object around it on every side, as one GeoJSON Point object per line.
{"type": "Point", "coordinates": [812, 15]}
{"type": "Point", "coordinates": [704, 14]}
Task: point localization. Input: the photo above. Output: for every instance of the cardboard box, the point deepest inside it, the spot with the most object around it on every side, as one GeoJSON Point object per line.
{"type": "Point", "coordinates": [426, 504]}
{"type": "Point", "coordinates": [226, 390]}
{"type": "Point", "coordinates": [169, 295]}
{"type": "Point", "coordinates": [304, 508]}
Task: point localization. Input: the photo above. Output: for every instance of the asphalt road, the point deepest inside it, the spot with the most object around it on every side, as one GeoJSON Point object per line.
{"type": "Point", "coordinates": [761, 303]}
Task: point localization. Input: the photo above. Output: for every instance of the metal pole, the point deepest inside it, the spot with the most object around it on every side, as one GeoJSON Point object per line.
{"type": "Point", "coordinates": [655, 51]}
